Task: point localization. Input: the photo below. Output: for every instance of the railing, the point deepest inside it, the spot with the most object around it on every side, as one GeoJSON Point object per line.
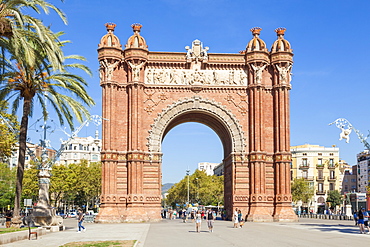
{"type": "Point", "coordinates": [332, 179]}
{"type": "Point", "coordinates": [320, 178]}
{"type": "Point", "coordinates": [319, 166]}
{"type": "Point", "coordinates": [304, 166]}
{"type": "Point", "coordinates": [321, 192]}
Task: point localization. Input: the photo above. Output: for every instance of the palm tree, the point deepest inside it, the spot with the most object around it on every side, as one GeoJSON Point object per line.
{"type": "Point", "coordinates": [17, 28]}
{"type": "Point", "coordinates": [27, 85]}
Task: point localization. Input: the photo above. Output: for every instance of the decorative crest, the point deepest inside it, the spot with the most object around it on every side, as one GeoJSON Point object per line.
{"type": "Point", "coordinates": [110, 26]}
{"type": "Point", "coordinates": [136, 27]}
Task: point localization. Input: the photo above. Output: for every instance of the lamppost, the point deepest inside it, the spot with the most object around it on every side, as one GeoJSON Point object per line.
{"type": "Point", "coordinates": [187, 174]}
{"type": "Point", "coordinates": [197, 191]}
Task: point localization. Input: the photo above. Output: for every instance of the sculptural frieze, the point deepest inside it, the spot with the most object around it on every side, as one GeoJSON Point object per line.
{"type": "Point", "coordinates": [191, 77]}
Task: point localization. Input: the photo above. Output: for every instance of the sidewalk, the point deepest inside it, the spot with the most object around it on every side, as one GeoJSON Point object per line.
{"type": "Point", "coordinates": [307, 232]}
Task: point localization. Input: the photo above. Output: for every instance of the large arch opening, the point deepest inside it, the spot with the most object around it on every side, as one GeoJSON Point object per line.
{"type": "Point", "coordinates": [186, 145]}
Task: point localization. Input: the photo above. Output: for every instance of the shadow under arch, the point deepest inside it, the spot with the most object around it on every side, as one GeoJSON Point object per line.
{"type": "Point", "coordinates": [205, 111]}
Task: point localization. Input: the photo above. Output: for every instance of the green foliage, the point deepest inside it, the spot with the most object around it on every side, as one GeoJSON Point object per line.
{"type": "Point", "coordinates": [301, 190]}
{"type": "Point", "coordinates": [334, 198]}
{"type": "Point", "coordinates": [203, 189]}
{"type": "Point", "coordinates": [31, 183]}
{"type": "Point", "coordinates": [8, 137]}
{"type": "Point", "coordinates": [7, 186]}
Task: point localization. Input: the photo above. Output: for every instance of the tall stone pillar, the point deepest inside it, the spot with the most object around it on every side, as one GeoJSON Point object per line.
{"type": "Point", "coordinates": [282, 60]}
{"type": "Point", "coordinates": [257, 59]}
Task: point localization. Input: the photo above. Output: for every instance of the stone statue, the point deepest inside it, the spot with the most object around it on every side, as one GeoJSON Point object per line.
{"type": "Point", "coordinates": [283, 73]}
{"type": "Point", "coordinates": [135, 70]}
{"type": "Point", "coordinates": [108, 68]}
{"type": "Point", "coordinates": [258, 73]}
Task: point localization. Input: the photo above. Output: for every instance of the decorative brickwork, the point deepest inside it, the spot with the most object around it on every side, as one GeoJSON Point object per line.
{"type": "Point", "coordinates": [243, 97]}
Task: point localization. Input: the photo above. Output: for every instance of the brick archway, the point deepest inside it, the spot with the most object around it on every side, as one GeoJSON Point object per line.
{"type": "Point", "coordinates": [243, 97]}
{"type": "Point", "coordinates": [196, 109]}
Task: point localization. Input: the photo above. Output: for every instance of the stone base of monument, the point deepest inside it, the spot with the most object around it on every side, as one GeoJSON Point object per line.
{"type": "Point", "coordinates": [46, 217]}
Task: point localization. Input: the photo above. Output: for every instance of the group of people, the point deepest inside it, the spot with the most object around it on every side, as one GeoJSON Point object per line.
{"type": "Point", "coordinates": [238, 218]}
{"type": "Point", "coordinates": [362, 220]}
{"type": "Point", "coordinates": [210, 216]}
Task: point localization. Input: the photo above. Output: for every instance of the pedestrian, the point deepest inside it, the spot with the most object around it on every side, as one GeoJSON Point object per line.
{"type": "Point", "coordinates": [360, 220]}
{"type": "Point", "coordinates": [355, 218]}
{"type": "Point", "coordinates": [198, 221]}
{"type": "Point", "coordinates": [366, 221]}
{"type": "Point", "coordinates": [240, 218]}
{"type": "Point", "coordinates": [8, 218]}
{"type": "Point", "coordinates": [174, 214]}
{"type": "Point", "coordinates": [236, 221]}
{"type": "Point", "coordinates": [210, 219]}
{"type": "Point", "coordinates": [80, 218]}
{"type": "Point", "coordinates": [184, 215]}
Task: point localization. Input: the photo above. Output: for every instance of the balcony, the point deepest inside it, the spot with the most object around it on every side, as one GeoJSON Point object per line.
{"type": "Point", "coordinates": [320, 192]}
{"type": "Point", "coordinates": [332, 166]}
{"type": "Point", "coordinates": [310, 178]}
{"type": "Point", "coordinates": [320, 179]}
{"type": "Point", "coordinates": [304, 166]}
{"type": "Point", "coordinates": [319, 166]}
{"type": "Point", "coordinates": [332, 179]}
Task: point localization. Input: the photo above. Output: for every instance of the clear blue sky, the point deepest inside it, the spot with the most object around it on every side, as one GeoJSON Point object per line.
{"type": "Point", "coordinates": [330, 40]}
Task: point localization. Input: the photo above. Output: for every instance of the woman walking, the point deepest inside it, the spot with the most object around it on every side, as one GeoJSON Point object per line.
{"type": "Point", "coordinates": [198, 221]}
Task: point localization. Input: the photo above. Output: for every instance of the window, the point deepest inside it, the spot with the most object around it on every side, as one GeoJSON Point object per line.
{"type": "Point", "coordinates": [319, 162]}
{"type": "Point", "coordinates": [331, 186]}
{"type": "Point", "coordinates": [320, 174]}
{"type": "Point", "coordinates": [320, 187]}
{"type": "Point", "coordinates": [304, 162]}
{"type": "Point", "coordinates": [332, 174]}
{"type": "Point", "coordinates": [80, 146]}
{"type": "Point", "coordinates": [304, 174]}
{"type": "Point", "coordinates": [331, 162]}
{"type": "Point", "coordinates": [70, 146]}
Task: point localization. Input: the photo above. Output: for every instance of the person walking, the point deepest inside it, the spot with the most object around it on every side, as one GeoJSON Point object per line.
{"type": "Point", "coordinates": [80, 218]}
{"type": "Point", "coordinates": [198, 221]}
{"type": "Point", "coordinates": [236, 221]}
{"type": "Point", "coordinates": [210, 219]}
{"type": "Point", "coordinates": [366, 221]}
{"type": "Point", "coordinates": [360, 216]}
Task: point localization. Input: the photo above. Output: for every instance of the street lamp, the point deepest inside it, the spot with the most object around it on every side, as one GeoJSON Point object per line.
{"type": "Point", "coordinates": [187, 174]}
{"type": "Point", "coordinates": [197, 191]}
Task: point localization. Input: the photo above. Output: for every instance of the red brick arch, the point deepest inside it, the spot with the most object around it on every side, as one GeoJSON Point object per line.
{"type": "Point", "coordinates": [243, 97]}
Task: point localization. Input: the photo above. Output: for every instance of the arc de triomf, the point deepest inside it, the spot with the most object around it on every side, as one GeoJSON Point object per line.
{"type": "Point", "coordinates": [243, 97]}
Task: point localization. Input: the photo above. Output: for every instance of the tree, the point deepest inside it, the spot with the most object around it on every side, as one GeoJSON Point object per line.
{"type": "Point", "coordinates": [203, 189]}
{"type": "Point", "coordinates": [27, 85]}
{"type": "Point", "coordinates": [301, 190]}
{"type": "Point", "coordinates": [334, 198]}
{"type": "Point", "coordinates": [7, 186]}
{"type": "Point", "coordinates": [18, 28]}
{"type": "Point", "coordinates": [8, 132]}
{"type": "Point", "coordinates": [30, 183]}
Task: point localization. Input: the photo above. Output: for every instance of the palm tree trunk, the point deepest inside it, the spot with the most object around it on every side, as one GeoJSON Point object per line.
{"type": "Point", "coordinates": [21, 158]}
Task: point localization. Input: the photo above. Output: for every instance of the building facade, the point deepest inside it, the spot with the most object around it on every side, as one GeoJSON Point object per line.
{"type": "Point", "coordinates": [33, 151]}
{"type": "Point", "coordinates": [363, 170]}
{"type": "Point", "coordinates": [320, 166]}
{"type": "Point", "coordinates": [350, 180]}
{"type": "Point", "coordinates": [81, 148]}
{"type": "Point", "coordinates": [207, 167]}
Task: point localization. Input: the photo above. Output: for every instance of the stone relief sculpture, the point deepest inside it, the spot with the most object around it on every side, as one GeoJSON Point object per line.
{"type": "Point", "coordinates": [189, 77]}
{"type": "Point", "coordinates": [107, 68]}
{"type": "Point", "coordinates": [258, 73]}
{"type": "Point", "coordinates": [135, 70]}
{"type": "Point", "coordinates": [284, 73]}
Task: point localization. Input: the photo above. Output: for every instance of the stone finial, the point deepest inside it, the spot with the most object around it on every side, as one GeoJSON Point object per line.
{"type": "Point", "coordinates": [110, 26]}
{"type": "Point", "coordinates": [280, 31]}
{"type": "Point", "coordinates": [136, 27]}
{"type": "Point", "coordinates": [256, 31]}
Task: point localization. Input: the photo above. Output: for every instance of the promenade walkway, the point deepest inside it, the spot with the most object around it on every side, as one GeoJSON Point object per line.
{"type": "Point", "coordinates": [306, 232]}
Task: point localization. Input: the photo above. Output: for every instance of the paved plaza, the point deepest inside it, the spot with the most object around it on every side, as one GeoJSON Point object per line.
{"type": "Point", "coordinates": [307, 232]}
